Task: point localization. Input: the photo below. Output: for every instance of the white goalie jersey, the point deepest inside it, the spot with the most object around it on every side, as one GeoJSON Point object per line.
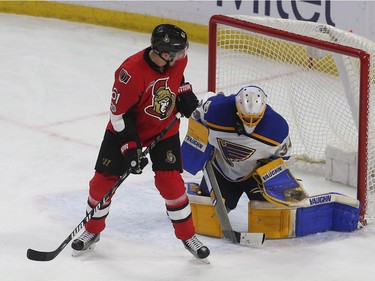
{"type": "Point", "coordinates": [236, 152]}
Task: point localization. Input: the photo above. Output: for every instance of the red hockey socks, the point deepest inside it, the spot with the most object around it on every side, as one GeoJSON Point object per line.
{"type": "Point", "coordinates": [172, 189]}
{"type": "Point", "coordinates": [100, 184]}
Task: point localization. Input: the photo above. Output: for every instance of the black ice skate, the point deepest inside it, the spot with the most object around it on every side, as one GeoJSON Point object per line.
{"type": "Point", "coordinates": [84, 243]}
{"type": "Point", "coordinates": [196, 247]}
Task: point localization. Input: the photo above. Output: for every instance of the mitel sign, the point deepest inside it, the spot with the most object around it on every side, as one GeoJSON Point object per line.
{"type": "Point", "coordinates": [315, 11]}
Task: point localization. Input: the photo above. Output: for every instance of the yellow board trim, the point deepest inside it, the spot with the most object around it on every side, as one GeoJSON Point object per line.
{"type": "Point", "coordinates": [296, 55]}
{"type": "Point", "coordinates": [103, 17]}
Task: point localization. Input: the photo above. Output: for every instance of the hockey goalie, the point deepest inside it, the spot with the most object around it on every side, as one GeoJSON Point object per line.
{"type": "Point", "coordinates": [248, 146]}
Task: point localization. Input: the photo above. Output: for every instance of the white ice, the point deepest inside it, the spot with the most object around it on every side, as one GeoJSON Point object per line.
{"type": "Point", "coordinates": [55, 82]}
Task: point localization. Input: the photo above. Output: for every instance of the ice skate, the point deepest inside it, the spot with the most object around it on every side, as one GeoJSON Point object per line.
{"type": "Point", "coordinates": [196, 247]}
{"type": "Point", "coordinates": [85, 243]}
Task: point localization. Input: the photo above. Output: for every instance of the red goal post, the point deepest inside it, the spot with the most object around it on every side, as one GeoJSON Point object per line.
{"type": "Point", "coordinates": [320, 78]}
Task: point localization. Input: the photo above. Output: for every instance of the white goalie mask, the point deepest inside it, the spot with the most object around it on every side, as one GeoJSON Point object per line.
{"type": "Point", "coordinates": [251, 105]}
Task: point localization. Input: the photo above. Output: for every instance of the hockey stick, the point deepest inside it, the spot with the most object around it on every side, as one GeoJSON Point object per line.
{"type": "Point", "coordinates": [47, 256]}
{"type": "Point", "coordinates": [242, 238]}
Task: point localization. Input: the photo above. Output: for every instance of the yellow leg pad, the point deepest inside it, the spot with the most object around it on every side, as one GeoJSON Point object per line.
{"type": "Point", "coordinates": [204, 216]}
{"type": "Point", "coordinates": [272, 220]}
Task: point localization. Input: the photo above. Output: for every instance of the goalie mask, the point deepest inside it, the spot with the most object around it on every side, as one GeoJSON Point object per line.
{"type": "Point", "coordinates": [251, 105]}
{"type": "Point", "coordinates": [170, 39]}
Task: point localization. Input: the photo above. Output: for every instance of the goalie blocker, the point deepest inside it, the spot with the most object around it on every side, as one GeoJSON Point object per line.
{"type": "Point", "coordinates": [289, 212]}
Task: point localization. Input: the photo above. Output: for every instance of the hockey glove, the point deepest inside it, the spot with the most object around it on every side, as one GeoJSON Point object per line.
{"type": "Point", "coordinates": [187, 101]}
{"type": "Point", "coordinates": [132, 159]}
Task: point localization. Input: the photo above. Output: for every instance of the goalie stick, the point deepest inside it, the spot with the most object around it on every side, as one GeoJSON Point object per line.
{"type": "Point", "coordinates": [242, 238]}
{"type": "Point", "coordinates": [47, 256]}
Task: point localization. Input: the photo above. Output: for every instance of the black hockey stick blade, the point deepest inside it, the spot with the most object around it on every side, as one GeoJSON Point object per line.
{"type": "Point", "coordinates": [41, 256]}
{"type": "Point", "coordinates": [48, 256]}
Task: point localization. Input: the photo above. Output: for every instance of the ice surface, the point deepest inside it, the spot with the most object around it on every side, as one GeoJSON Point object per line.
{"type": "Point", "coordinates": [55, 83]}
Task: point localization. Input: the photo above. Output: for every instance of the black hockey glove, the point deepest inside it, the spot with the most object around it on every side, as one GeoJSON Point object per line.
{"type": "Point", "coordinates": [131, 148]}
{"type": "Point", "coordinates": [187, 101]}
{"type": "Point", "coordinates": [131, 154]}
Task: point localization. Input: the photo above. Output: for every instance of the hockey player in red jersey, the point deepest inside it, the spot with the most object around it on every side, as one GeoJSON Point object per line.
{"type": "Point", "coordinates": [149, 89]}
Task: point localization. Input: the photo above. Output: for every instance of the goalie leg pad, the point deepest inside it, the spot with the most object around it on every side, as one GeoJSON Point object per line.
{"type": "Point", "coordinates": [345, 218]}
{"type": "Point", "coordinates": [333, 216]}
{"type": "Point", "coordinates": [275, 222]}
{"type": "Point", "coordinates": [203, 212]}
{"type": "Point", "coordinates": [320, 213]}
{"type": "Point", "coordinates": [314, 219]}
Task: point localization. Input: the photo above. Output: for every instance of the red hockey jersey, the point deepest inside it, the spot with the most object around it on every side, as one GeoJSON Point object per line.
{"type": "Point", "coordinates": [149, 94]}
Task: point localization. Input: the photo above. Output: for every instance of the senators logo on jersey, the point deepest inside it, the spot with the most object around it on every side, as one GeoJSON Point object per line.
{"type": "Point", "coordinates": [124, 76]}
{"type": "Point", "coordinates": [163, 100]}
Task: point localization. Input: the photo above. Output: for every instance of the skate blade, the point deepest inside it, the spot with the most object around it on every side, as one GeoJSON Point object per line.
{"type": "Point", "coordinates": [76, 253]}
{"type": "Point", "coordinates": [205, 260]}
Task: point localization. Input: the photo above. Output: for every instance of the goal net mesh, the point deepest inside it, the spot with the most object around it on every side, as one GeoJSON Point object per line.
{"type": "Point", "coordinates": [318, 91]}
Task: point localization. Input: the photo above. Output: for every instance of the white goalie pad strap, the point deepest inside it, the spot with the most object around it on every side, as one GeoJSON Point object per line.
{"type": "Point", "coordinates": [180, 214]}
{"type": "Point", "coordinates": [327, 198]}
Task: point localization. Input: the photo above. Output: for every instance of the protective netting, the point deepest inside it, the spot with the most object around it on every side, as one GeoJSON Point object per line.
{"type": "Point", "coordinates": [317, 91]}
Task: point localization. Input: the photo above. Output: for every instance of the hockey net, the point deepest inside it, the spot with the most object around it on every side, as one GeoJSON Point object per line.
{"type": "Point", "coordinates": [320, 78]}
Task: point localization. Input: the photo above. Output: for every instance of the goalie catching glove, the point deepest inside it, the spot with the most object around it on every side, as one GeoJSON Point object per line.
{"type": "Point", "coordinates": [186, 101]}
{"type": "Point", "coordinates": [278, 184]}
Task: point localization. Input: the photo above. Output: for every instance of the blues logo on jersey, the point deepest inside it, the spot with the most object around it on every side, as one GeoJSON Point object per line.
{"type": "Point", "coordinates": [234, 152]}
